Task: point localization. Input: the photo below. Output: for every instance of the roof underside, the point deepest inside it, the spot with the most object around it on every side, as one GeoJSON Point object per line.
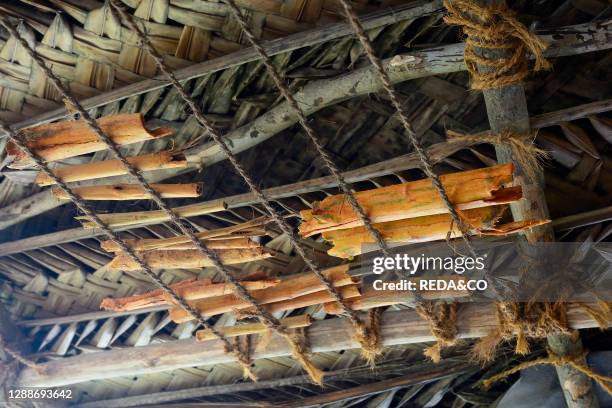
{"type": "Point", "coordinates": [56, 284]}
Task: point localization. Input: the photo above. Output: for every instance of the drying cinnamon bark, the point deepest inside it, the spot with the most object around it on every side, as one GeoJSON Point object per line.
{"type": "Point", "coordinates": [467, 190]}
{"type": "Point", "coordinates": [61, 140]}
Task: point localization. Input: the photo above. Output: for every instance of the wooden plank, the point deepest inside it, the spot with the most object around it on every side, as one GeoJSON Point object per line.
{"type": "Point", "coordinates": [398, 327]}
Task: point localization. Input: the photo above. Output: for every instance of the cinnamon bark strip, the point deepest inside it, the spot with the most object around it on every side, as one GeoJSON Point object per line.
{"type": "Point", "coordinates": [290, 288]}
{"type": "Point", "coordinates": [371, 298]}
{"type": "Point", "coordinates": [176, 259]}
{"type": "Point", "coordinates": [189, 290]}
{"type": "Point", "coordinates": [123, 192]}
{"type": "Point", "coordinates": [109, 168]}
{"type": "Point", "coordinates": [466, 190]}
{"type": "Point", "coordinates": [480, 221]}
{"type": "Point", "coordinates": [57, 141]}
{"type": "Point", "coordinates": [252, 226]}
{"type": "Point", "coordinates": [224, 304]}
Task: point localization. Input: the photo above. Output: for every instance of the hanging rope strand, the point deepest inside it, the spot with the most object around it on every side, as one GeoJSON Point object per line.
{"type": "Point", "coordinates": [362, 331]}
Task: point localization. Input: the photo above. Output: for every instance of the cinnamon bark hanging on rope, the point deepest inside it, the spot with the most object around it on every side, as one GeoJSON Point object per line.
{"type": "Point", "coordinates": [229, 303]}
{"type": "Point", "coordinates": [190, 258]}
{"type": "Point", "coordinates": [109, 168]}
{"type": "Point", "coordinates": [247, 229]}
{"type": "Point", "coordinates": [467, 190]}
{"type": "Point", "coordinates": [122, 192]}
{"type": "Point", "coordinates": [189, 290]}
{"type": "Point", "coordinates": [481, 221]}
{"type": "Point", "coordinates": [371, 298]}
{"type": "Point", "coordinates": [290, 288]}
{"type": "Point", "coordinates": [57, 141]}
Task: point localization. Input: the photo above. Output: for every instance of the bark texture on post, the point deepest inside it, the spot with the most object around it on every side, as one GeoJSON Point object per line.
{"type": "Point", "coordinates": [507, 110]}
{"type": "Point", "coordinates": [577, 387]}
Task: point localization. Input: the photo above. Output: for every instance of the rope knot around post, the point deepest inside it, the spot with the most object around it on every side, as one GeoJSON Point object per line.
{"type": "Point", "coordinates": [442, 319]}
{"type": "Point", "coordinates": [524, 152]}
{"type": "Point", "coordinates": [369, 336]}
{"type": "Point", "coordinates": [522, 320]}
{"type": "Point", "coordinates": [576, 361]}
{"type": "Point", "coordinates": [490, 28]}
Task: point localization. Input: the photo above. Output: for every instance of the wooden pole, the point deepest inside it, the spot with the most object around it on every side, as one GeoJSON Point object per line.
{"type": "Point", "coordinates": [507, 110]}
{"type": "Point", "coordinates": [397, 327]}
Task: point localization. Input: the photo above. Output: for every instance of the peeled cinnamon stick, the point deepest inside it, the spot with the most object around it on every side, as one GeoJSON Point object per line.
{"type": "Point", "coordinates": [123, 192]}
{"type": "Point", "coordinates": [56, 141]}
{"type": "Point", "coordinates": [466, 190]}
{"type": "Point", "coordinates": [110, 168]}
{"type": "Point", "coordinates": [246, 228]}
{"type": "Point", "coordinates": [174, 259]}
{"type": "Point", "coordinates": [293, 322]}
{"type": "Point", "coordinates": [290, 288]}
{"type": "Point", "coordinates": [214, 306]}
{"type": "Point", "coordinates": [188, 290]}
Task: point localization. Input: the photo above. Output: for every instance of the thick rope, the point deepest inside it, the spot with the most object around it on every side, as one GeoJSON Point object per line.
{"type": "Point", "coordinates": [493, 28]}
{"type": "Point", "coordinates": [574, 361]}
{"type": "Point", "coordinates": [73, 104]}
{"type": "Point", "coordinates": [265, 201]}
{"type": "Point", "coordinates": [374, 337]}
{"type": "Point", "coordinates": [523, 321]}
{"type": "Point", "coordinates": [442, 318]}
{"type": "Point", "coordinates": [524, 151]}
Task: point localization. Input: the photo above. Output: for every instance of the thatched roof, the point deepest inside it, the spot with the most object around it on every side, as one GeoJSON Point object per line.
{"type": "Point", "coordinates": [54, 274]}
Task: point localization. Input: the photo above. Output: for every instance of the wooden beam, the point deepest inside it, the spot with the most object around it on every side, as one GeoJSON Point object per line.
{"type": "Point", "coordinates": [507, 110]}
{"type": "Point", "coordinates": [439, 60]}
{"type": "Point", "coordinates": [434, 374]}
{"type": "Point", "coordinates": [569, 114]}
{"type": "Point", "coordinates": [309, 38]}
{"type": "Point", "coordinates": [398, 327]}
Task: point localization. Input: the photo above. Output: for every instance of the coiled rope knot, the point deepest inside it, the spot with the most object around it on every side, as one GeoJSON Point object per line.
{"type": "Point", "coordinates": [524, 151]}
{"type": "Point", "coordinates": [442, 319]}
{"type": "Point", "coordinates": [369, 336]}
{"type": "Point", "coordinates": [495, 28]}
{"type": "Point", "coordinates": [523, 321]}
{"type": "Point", "coordinates": [576, 361]}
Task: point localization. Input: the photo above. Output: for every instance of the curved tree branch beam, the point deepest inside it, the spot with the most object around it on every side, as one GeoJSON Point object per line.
{"type": "Point", "coordinates": [316, 95]}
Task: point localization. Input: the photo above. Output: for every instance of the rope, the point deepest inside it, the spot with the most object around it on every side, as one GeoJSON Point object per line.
{"type": "Point", "coordinates": [445, 337]}
{"type": "Point", "coordinates": [524, 151]}
{"type": "Point", "coordinates": [442, 318]}
{"type": "Point", "coordinates": [492, 28]}
{"type": "Point", "coordinates": [374, 337]}
{"type": "Point", "coordinates": [361, 331]}
{"type": "Point", "coordinates": [73, 104]}
{"type": "Point", "coordinates": [523, 321]}
{"type": "Point", "coordinates": [574, 361]}
{"type": "Point", "coordinates": [17, 356]}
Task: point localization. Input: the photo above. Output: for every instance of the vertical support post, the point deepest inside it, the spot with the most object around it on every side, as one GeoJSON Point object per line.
{"type": "Point", "coordinates": [507, 110]}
